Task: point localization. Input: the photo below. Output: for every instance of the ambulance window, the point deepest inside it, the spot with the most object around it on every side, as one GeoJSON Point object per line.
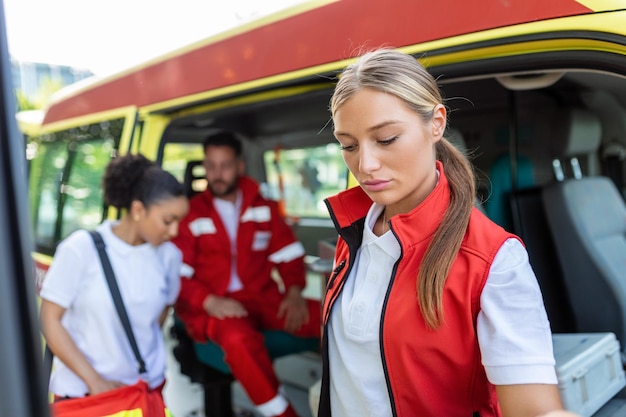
{"type": "Point", "coordinates": [82, 192]}
{"type": "Point", "coordinates": [46, 173]}
{"type": "Point", "coordinates": [176, 156]}
{"type": "Point", "coordinates": [64, 180]}
{"type": "Point", "coordinates": [308, 176]}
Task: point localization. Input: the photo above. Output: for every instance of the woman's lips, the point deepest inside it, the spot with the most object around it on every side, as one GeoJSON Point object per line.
{"type": "Point", "coordinates": [374, 185]}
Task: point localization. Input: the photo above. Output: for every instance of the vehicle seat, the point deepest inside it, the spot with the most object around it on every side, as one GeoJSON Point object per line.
{"type": "Point", "coordinates": [498, 206]}
{"type": "Point", "coordinates": [613, 157]}
{"type": "Point", "coordinates": [194, 179]}
{"type": "Point", "coordinates": [204, 363]}
{"type": "Point", "coordinates": [587, 216]}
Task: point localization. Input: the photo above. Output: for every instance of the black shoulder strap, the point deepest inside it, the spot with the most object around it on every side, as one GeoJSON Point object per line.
{"type": "Point", "coordinates": [48, 356]}
{"type": "Point", "coordinates": [117, 297]}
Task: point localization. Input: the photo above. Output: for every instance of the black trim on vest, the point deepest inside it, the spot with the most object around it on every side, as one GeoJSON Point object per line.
{"type": "Point", "coordinates": [353, 236]}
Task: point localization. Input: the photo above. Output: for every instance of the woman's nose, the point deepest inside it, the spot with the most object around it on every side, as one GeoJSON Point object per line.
{"type": "Point", "coordinates": [368, 159]}
{"type": "Point", "coordinates": [173, 230]}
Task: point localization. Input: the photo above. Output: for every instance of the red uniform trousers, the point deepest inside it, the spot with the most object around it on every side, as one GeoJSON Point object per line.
{"type": "Point", "coordinates": [243, 344]}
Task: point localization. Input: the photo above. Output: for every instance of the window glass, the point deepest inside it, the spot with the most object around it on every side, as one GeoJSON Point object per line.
{"type": "Point", "coordinates": [46, 173]}
{"type": "Point", "coordinates": [308, 176]}
{"type": "Point", "coordinates": [176, 156]}
{"type": "Point", "coordinates": [65, 173]}
{"type": "Point", "coordinates": [175, 159]}
{"type": "Point", "coordinates": [82, 193]}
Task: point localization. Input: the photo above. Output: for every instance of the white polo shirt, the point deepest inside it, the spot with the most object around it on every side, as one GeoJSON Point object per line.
{"type": "Point", "coordinates": [513, 329]}
{"type": "Point", "coordinates": [148, 278]}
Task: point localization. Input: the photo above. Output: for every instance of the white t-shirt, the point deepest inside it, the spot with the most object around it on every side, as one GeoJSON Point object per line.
{"type": "Point", "coordinates": [148, 279]}
{"type": "Point", "coordinates": [229, 213]}
{"type": "Point", "coordinates": [513, 329]}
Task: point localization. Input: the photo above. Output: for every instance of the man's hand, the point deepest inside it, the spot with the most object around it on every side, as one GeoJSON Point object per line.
{"type": "Point", "coordinates": [294, 309]}
{"type": "Point", "coordinates": [223, 307]}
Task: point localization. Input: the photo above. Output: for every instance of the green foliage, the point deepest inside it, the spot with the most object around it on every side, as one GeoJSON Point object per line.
{"type": "Point", "coordinates": [47, 88]}
{"type": "Point", "coordinates": [23, 102]}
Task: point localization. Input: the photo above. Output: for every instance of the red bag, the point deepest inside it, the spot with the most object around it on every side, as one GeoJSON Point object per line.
{"type": "Point", "coordinates": [129, 401]}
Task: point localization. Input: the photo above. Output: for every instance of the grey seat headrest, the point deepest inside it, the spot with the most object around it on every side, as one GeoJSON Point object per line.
{"type": "Point", "coordinates": [577, 132]}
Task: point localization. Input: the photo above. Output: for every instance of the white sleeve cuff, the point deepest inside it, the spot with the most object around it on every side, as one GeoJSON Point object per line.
{"type": "Point", "coordinates": [521, 374]}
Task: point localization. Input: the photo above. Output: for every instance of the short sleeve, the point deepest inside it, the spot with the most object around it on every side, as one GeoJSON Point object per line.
{"type": "Point", "coordinates": [62, 280]}
{"type": "Point", "coordinates": [513, 329]}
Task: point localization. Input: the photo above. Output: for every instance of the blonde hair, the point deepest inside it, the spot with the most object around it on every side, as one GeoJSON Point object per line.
{"type": "Point", "coordinates": [401, 75]}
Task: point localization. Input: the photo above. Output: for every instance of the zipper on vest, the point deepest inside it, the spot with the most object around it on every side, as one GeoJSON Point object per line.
{"type": "Point", "coordinates": [336, 272]}
{"type": "Point", "coordinates": [476, 414]}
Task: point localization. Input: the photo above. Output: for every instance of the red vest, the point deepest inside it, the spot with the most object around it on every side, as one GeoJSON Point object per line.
{"type": "Point", "coordinates": [264, 241]}
{"type": "Point", "coordinates": [428, 372]}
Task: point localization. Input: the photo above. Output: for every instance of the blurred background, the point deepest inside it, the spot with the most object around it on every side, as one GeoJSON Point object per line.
{"type": "Point", "coordinates": [54, 43]}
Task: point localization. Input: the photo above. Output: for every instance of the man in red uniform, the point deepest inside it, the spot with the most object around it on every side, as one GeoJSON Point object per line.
{"type": "Point", "coordinates": [231, 241]}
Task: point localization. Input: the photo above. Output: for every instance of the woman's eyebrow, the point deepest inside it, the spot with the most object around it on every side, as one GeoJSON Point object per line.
{"type": "Point", "coordinates": [371, 129]}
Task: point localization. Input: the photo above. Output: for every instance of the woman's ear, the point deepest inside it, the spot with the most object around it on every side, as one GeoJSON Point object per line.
{"type": "Point", "coordinates": [438, 122]}
{"type": "Point", "coordinates": [137, 210]}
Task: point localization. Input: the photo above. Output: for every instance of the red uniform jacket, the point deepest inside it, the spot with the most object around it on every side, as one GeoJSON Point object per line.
{"type": "Point", "coordinates": [264, 241]}
{"type": "Point", "coordinates": [428, 372]}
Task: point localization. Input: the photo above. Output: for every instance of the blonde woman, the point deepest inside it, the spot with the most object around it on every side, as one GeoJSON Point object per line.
{"type": "Point", "coordinates": [432, 309]}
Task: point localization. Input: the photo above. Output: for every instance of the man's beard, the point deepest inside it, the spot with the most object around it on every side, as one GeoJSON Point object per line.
{"type": "Point", "coordinates": [221, 191]}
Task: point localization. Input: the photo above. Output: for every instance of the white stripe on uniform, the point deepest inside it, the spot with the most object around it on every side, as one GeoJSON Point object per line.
{"type": "Point", "coordinates": [258, 214]}
{"type": "Point", "coordinates": [186, 271]}
{"type": "Point", "coordinates": [202, 226]}
{"type": "Point", "coordinates": [288, 253]}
